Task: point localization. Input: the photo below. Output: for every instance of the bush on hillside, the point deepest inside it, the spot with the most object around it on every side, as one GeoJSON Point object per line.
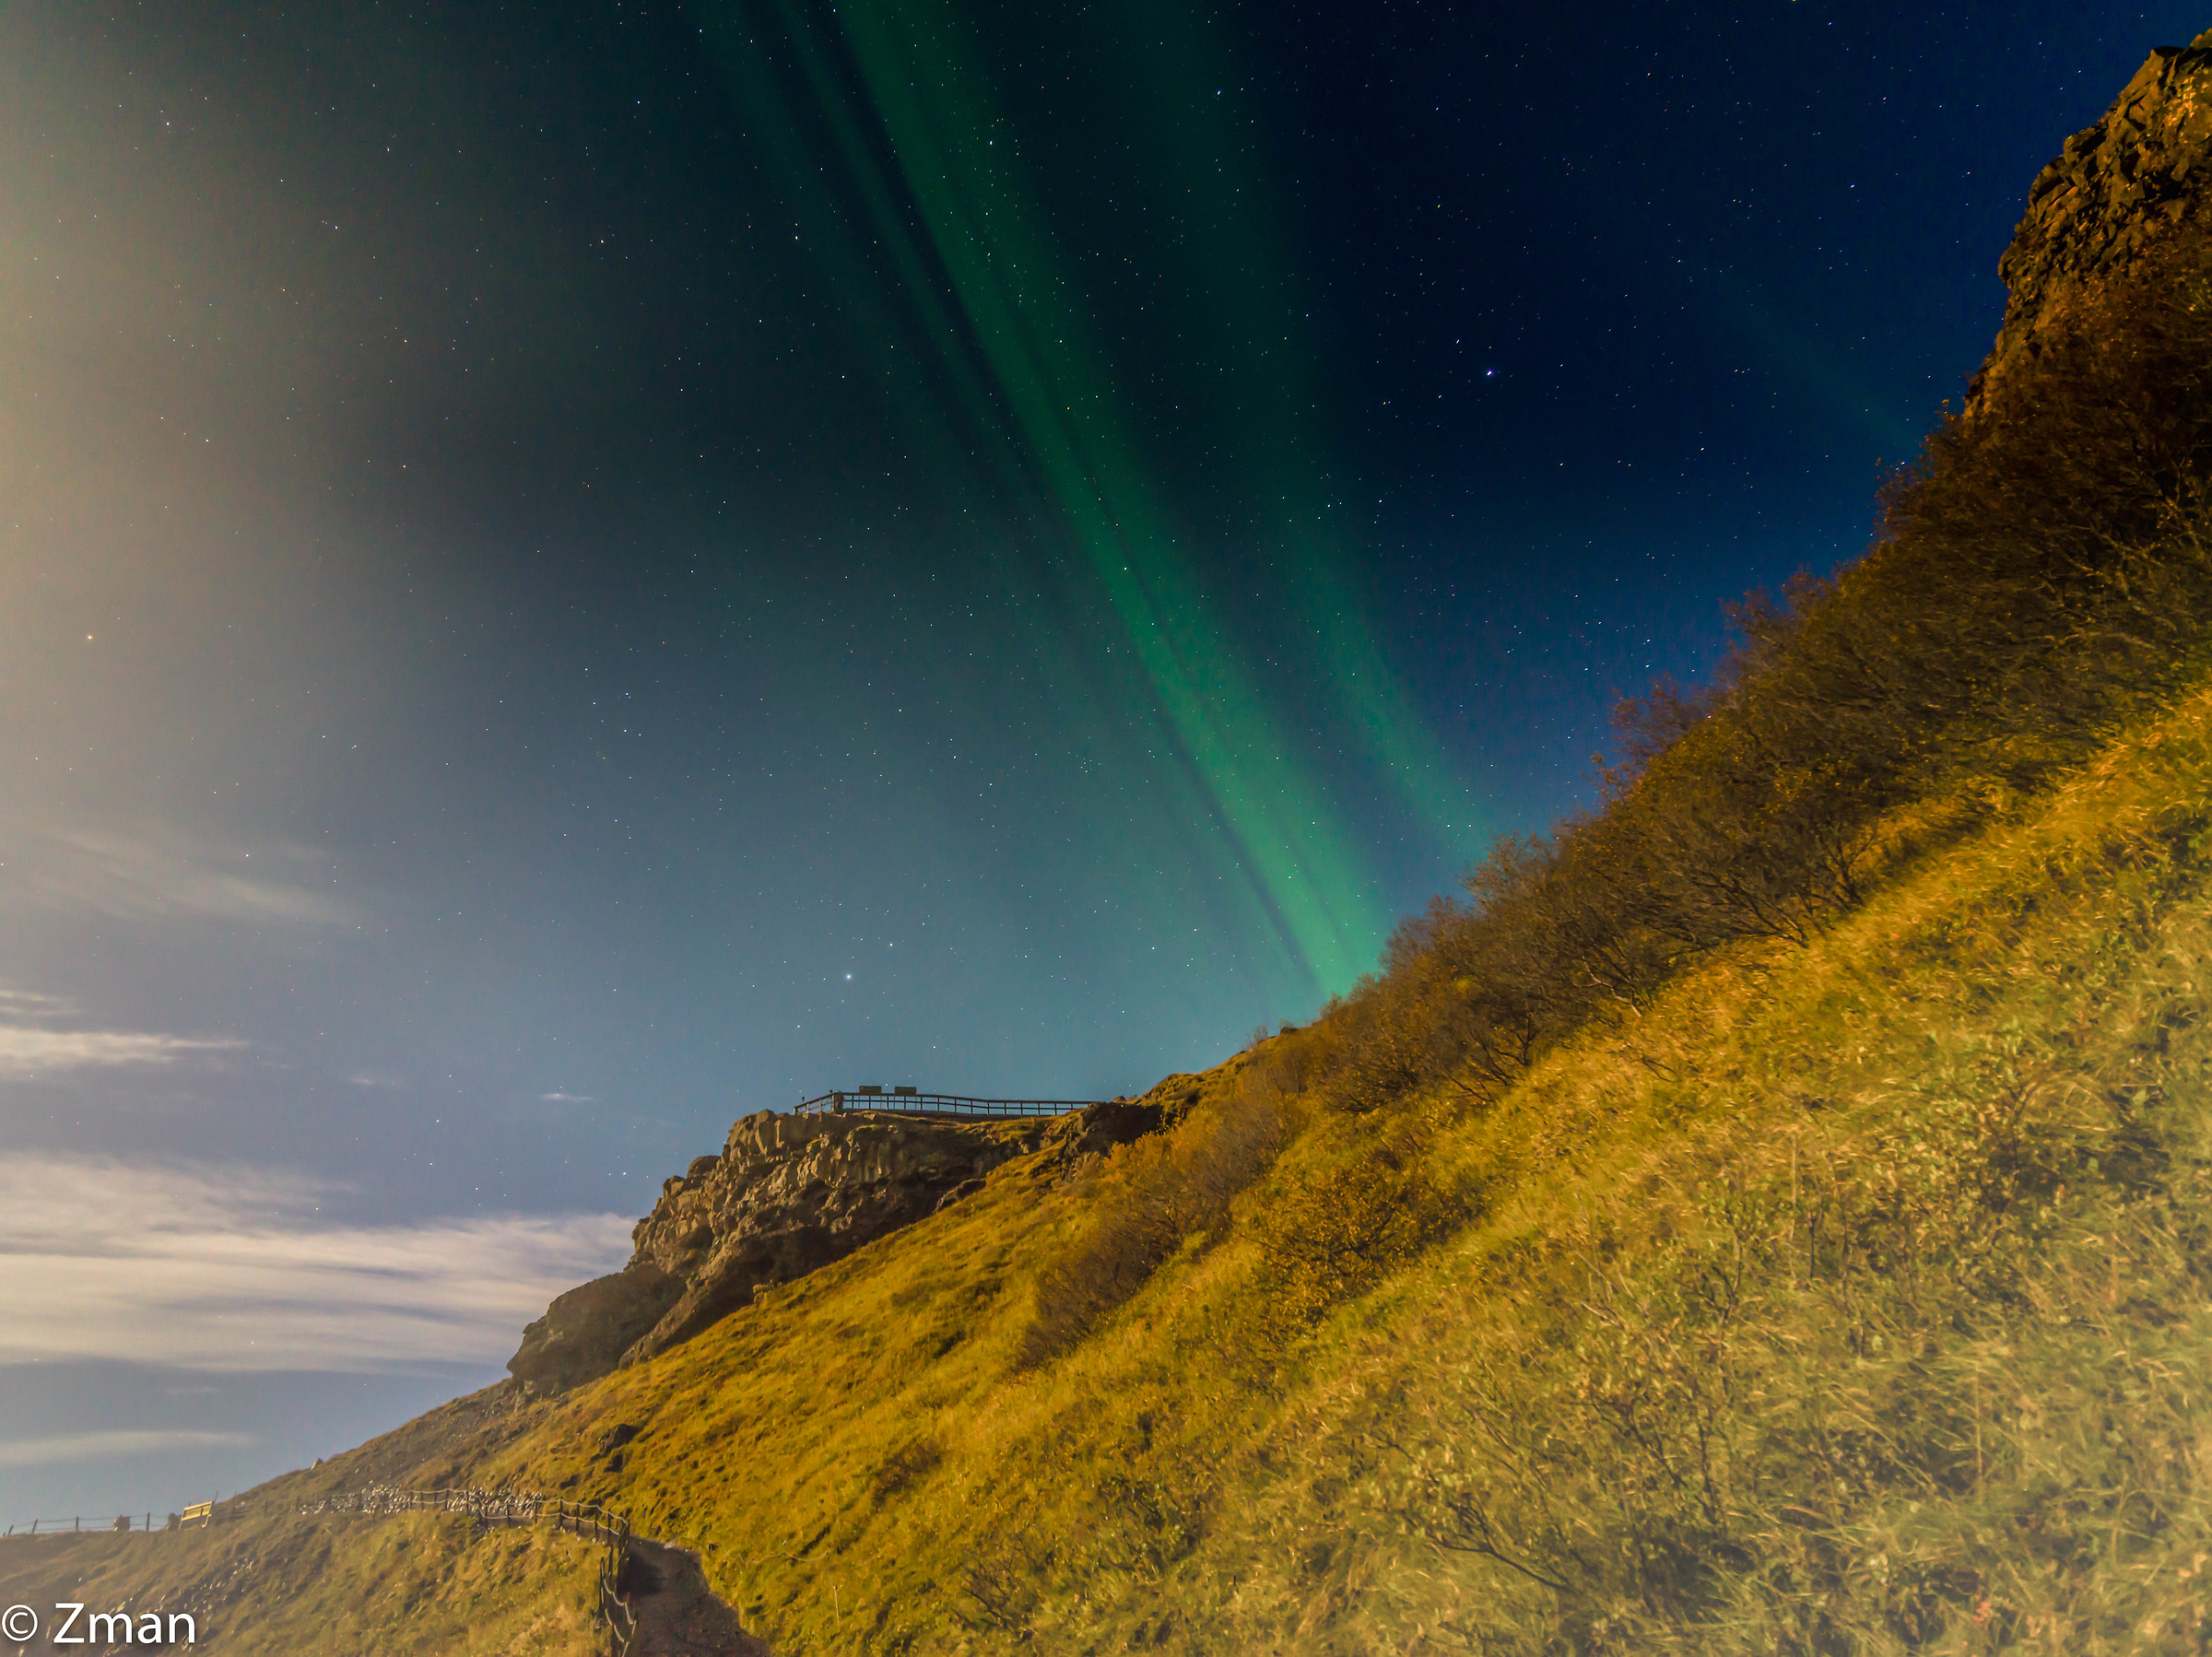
{"type": "Point", "coordinates": [1830, 1416]}
{"type": "Point", "coordinates": [1151, 1196]}
{"type": "Point", "coordinates": [2042, 572]}
{"type": "Point", "coordinates": [1333, 1228]}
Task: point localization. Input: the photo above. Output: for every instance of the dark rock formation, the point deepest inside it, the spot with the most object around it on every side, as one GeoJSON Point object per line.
{"type": "Point", "coordinates": [586, 1332]}
{"type": "Point", "coordinates": [2116, 191]}
{"type": "Point", "coordinates": [788, 1195]}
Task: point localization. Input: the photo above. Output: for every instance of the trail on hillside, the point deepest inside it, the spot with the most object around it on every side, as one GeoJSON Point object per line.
{"type": "Point", "coordinates": [678, 1615]}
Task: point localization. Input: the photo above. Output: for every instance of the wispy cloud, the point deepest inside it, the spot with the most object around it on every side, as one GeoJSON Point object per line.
{"type": "Point", "coordinates": [233, 1269]}
{"type": "Point", "coordinates": [568, 1099]}
{"type": "Point", "coordinates": [32, 1003]}
{"type": "Point", "coordinates": [25, 1050]}
{"type": "Point", "coordinates": [158, 873]}
{"type": "Point", "coordinates": [377, 1079]}
{"type": "Point", "coordinates": [111, 1445]}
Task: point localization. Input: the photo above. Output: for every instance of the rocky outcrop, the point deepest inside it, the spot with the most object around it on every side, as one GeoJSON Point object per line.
{"type": "Point", "coordinates": [586, 1332]}
{"type": "Point", "coordinates": [787, 1195]}
{"type": "Point", "coordinates": [2115, 193]}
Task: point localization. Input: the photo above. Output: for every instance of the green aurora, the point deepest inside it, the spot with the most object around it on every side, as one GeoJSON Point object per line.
{"type": "Point", "coordinates": [909, 173]}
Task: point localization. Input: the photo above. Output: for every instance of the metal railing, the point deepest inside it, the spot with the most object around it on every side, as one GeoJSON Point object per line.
{"type": "Point", "coordinates": [907, 1101]}
{"type": "Point", "coordinates": [609, 1531]}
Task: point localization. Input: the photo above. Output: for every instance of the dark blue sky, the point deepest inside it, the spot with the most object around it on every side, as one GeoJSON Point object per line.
{"type": "Point", "coordinates": [572, 572]}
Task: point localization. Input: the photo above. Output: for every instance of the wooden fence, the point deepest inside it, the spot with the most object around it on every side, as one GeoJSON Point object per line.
{"type": "Point", "coordinates": [136, 1523]}
{"type": "Point", "coordinates": [609, 1531]}
{"type": "Point", "coordinates": [910, 1101]}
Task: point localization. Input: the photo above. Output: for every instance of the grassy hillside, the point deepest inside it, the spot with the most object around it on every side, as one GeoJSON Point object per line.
{"type": "Point", "coordinates": [1848, 1297]}
{"type": "Point", "coordinates": [1769, 1214]}
{"type": "Point", "coordinates": [271, 1583]}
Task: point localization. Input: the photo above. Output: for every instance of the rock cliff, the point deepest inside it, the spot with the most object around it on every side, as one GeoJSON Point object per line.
{"type": "Point", "coordinates": [2114, 192]}
{"type": "Point", "coordinates": [787, 1195]}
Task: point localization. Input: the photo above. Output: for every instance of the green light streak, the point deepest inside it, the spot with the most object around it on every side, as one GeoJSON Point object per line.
{"type": "Point", "coordinates": [942, 128]}
{"type": "Point", "coordinates": [1237, 274]}
{"type": "Point", "coordinates": [1020, 349]}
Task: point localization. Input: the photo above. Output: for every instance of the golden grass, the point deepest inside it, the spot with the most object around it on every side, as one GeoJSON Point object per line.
{"type": "Point", "coordinates": [278, 1584]}
{"type": "Point", "coordinates": [1851, 1298]}
{"type": "Point", "coordinates": [1206, 1474]}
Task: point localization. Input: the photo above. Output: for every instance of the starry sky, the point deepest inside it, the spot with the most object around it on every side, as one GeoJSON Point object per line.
{"type": "Point", "coordinates": [570, 572]}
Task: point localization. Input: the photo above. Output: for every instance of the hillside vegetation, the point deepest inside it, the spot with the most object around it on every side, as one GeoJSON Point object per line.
{"type": "Point", "coordinates": [1768, 1216]}
{"type": "Point", "coordinates": [1848, 1297]}
{"type": "Point", "coordinates": [272, 1582]}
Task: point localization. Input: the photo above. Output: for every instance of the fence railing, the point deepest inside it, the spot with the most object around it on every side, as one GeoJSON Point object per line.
{"type": "Point", "coordinates": [614, 1609]}
{"type": "Point", "coordinates": [907, 1101]}
{"type": "Point", "coordinates": [137, 1523]}
{"type": "Point", "coordinates": [609, 1531]}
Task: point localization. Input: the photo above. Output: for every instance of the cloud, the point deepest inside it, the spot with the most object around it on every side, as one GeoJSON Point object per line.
{"type": "Point", "coordinates": [26, 1052]}
{"type": "Point", "coordinates": [568, 1099]}
{"type": "Point", "coordinates": [111, 1445]}
{"type": "Point", "coordinates": [162, 874]}
{"type": "Point", "coordinates": [32, 1003]}
{"type": "Point", "coordinates": [370, 1078]}
{"type": "Point", "coordinates": [233, 1269]}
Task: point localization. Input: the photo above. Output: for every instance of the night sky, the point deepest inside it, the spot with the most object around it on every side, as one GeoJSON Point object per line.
{"type": "Point", "coordinates": [570, 572]}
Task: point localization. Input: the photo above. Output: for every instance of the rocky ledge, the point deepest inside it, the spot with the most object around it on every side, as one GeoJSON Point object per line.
{"type": "Point", "coordinates": [2114, 192]}
{"type": "Point", "coordinates": [787, 1195]}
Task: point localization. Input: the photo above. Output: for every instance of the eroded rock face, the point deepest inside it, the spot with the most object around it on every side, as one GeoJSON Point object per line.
{"type": "Point", "coordinates": [788, 1195]}
{"type": "Point", "coordinates": [586, 1332]}
{"type": "Point", "coordinates": [2116, 190]}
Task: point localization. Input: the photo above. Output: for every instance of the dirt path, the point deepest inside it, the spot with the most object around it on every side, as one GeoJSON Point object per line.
{"type": "Point", "coordinates": [678, 1615]}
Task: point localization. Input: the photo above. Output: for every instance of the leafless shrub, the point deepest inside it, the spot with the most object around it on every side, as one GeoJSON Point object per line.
{"type": "Point", "coordinates": [2044, 570]}
{"type": "Point", "coordinates": [1150, 1197]}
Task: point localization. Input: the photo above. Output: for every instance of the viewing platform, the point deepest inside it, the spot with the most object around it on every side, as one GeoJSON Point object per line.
{"type": "Point", "coordinates": [913, 1101]}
